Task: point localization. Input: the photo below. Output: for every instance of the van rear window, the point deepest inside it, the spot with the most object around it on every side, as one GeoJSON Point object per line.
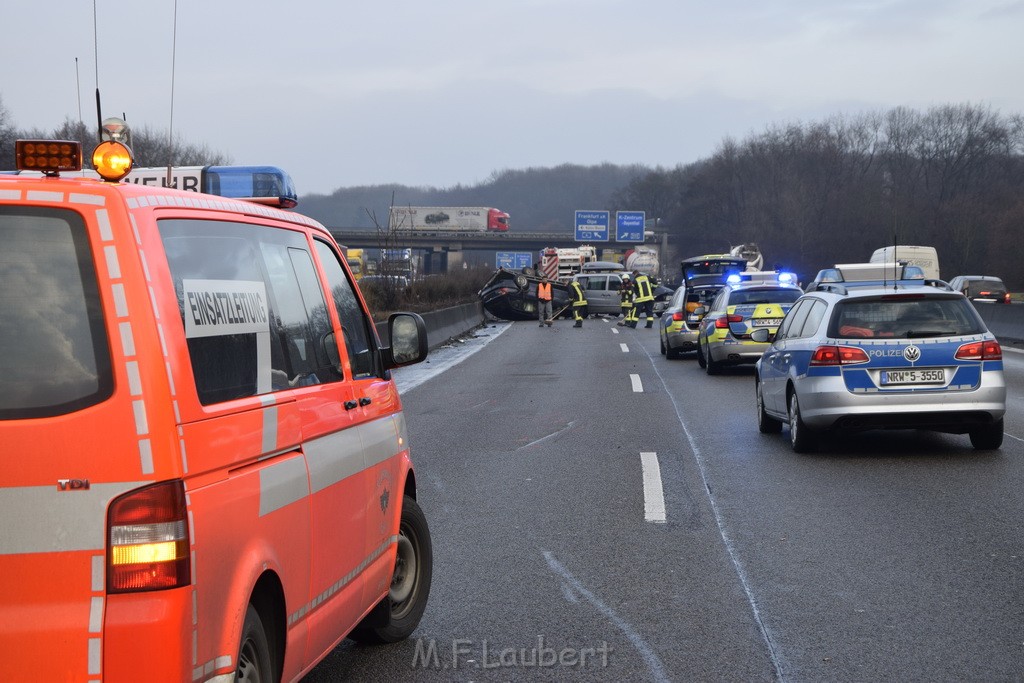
{"type": "Point", "coordinates": [54, 357]}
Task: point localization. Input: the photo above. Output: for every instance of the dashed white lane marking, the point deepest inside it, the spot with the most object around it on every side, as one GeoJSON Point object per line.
{"type": "Point", "coordinates": [625, 349]}
{"type": "Point", "coordinates": [654, 493]}
{"type": "Point", "coordinates": [650, 657]}
{"type": "Point", "coordinates": [615, 330]}
{"type": "Point", "coordinates": [637, 386]}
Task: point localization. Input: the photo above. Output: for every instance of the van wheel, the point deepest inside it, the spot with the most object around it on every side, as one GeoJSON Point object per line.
{"type": "Point", "coordinates": [410, 583]}
{"type": "Point", "coordinates": [254, 665]}
{"type": "Point", "coordinates": [989, 437]}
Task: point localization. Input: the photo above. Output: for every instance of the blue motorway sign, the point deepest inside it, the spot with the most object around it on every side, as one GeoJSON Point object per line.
{"type": "Point", "coordinates": [629, 226]}
{"type": "Point", "coordinates": [513, 260]}
{"type": "Point", "coordinates": [592, 226]}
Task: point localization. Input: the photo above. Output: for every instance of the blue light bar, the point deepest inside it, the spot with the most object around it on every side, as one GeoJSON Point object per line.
{"type": "Point", "coordinates": [262, 184]}
{"type": "Point", "coordinates": [733, 279]}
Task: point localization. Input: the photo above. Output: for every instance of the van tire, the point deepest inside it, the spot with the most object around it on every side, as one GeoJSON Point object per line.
{"type": "Point", "coordinates": [410, 582]}
{"type": "Point", "coordinates": [254, 663]}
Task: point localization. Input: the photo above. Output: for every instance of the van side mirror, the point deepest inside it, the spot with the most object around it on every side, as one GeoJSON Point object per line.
{"type": "Point", "coordinates": [408, 337]}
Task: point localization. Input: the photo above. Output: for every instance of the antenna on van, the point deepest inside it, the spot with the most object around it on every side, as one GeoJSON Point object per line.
{"type": "Point", "coordinates": [96, 64]}
{"type": "Point", "coordinates": [895, 261]}
{"type": "Point", "coordinates": [170, 124]}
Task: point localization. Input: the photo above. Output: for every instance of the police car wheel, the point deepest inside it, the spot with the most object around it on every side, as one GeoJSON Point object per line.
{"type": "Point", "coordinates": [989, 437]}
{"type": "Point", "coordinates": [254, 665]}
{"type": "Point", "coordinates": [700, 356]}
{"type": "Point", "coordinates": [410, 582]}
{"type": "Point", "coordinates": [800, 438]}
{"type": "Point", "coordinates": [711, 366]}
{"type": "Point", "coordinates": [766, 424]}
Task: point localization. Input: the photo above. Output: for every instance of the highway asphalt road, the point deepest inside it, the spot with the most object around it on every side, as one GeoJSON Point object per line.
{"type": "Point", "coordinates": [600, 513]}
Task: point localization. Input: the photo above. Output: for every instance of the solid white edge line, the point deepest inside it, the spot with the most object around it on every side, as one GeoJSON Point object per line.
{"type": "Point", "coordinates": [654, 493]}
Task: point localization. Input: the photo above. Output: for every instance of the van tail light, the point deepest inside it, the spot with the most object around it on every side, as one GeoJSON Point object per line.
{"type": "Point", "coordinates": [983, 350]}
{"type": "Point", "coordinates": [724, 322]}
{"type": "Point", "coordinates": [148, 548]}
{"type": "Point", "coordinates": [838, 355]}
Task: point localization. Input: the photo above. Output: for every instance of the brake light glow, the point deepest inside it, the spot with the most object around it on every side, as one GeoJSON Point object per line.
{"type": "Point", "coordinates": [838, 355]}
{"type": "Point", "coordinates": [983, 350]}
{"type": "Point", "coordinates": [677, 316]}
{"type": "Point", "coordinates": [723, 322]}
{"type": "Point", "coordinates": [148, 548]}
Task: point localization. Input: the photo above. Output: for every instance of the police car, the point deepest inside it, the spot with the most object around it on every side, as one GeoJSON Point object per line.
{"type": "Point", "coordinates": [206, 471]}
{"type": "Point", "coordinates": [747, 302]}
{"type": "Point", "coordinates": [907, 355]}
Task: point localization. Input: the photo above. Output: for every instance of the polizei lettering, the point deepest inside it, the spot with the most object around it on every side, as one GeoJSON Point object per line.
{"type": "Point", "coordinates": [214, 308]}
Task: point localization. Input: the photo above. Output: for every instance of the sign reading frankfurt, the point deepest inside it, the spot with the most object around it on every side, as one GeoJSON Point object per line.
{"type": "Point", "coordinates": [592, 226]}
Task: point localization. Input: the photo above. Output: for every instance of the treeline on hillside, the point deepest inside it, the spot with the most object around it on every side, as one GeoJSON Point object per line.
{"type": "Point", "coordinates": [151, 148]}
{"type": "Point", "coordinates": [537, 199]}
{"type": "Point", "coordinates": [834, 191]}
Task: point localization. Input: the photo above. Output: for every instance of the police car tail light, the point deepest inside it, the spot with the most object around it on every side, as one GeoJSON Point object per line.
{"type": "Point", "coordinates": [838, 355]}
{"type": "Point", "coordinates": [49, 157]}
{"type": "Point", "coordinates": [724, 322]}
{"type": "Point", "coordinates": [677, 316]}
{"type": "Point", "coordinates": [148, 548]}
{"type": "Point", "coordinates": [984, 350]}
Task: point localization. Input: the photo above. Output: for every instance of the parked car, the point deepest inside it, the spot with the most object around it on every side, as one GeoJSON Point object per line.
{"type": "Point", "coordinates": [911, 356]}
{"type": "Point", "coordinates": [679, 324]}
{"type": "Point", "coordinates": [602, 292]}
{"type": "Point", "coordinates": [987, 288]}
{"type": "Point", "coordinates": [747, 302]}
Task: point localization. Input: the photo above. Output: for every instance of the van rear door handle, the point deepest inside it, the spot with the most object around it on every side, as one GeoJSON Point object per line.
{"type": "Point", "coordinates": [350, 405]}
{"type": "Point", "coordinates": [365, 401]}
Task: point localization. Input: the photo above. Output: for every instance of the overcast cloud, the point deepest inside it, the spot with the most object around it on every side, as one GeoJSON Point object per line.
{"type": "Point", "coordinates": [448, 92]}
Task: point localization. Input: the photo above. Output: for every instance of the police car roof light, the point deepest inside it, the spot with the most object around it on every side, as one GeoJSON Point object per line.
{"type": "Point", "coordinates": [733, 279]}
{"type": "Point", "coordinates": [261, 184]}
{"type": "Point", "coordinates": [49, 157]}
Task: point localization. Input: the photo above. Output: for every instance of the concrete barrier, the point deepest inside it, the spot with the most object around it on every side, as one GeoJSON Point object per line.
{"type": "Point", "coordinates": [444, 324]}
{"type": "Point", "coordinates": [1005, 321]}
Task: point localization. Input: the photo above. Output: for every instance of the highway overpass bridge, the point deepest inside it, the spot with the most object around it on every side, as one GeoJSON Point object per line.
{"type": "Point", "coordinates": [441, 252]}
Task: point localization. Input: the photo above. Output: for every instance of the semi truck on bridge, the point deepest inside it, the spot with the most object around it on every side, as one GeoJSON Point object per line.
{"type": "Point", "coordinates": [446, 219]}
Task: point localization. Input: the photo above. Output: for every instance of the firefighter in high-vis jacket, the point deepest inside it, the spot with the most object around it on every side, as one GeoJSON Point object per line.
{"type": "Point", "coordinates": [579, 302]}
{"type": "Point", "coordinates": [643, 300]}
{"type": "Point", "coordinates": [626, 299]}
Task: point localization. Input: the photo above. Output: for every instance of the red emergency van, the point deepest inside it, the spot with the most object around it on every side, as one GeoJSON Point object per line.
{"type": "Point", "coordinates": [204, 465]}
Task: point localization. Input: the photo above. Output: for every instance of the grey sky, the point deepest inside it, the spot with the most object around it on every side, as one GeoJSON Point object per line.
{"type": "Point", "coordinates": [447, 92]}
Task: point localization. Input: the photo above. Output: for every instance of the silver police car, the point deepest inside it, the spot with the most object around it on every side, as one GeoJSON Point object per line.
{"type": "Point", "coordinates": [903, 355]}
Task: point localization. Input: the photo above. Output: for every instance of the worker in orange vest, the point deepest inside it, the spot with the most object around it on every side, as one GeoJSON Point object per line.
{"type": "Point", "coordinates": [544, 301]}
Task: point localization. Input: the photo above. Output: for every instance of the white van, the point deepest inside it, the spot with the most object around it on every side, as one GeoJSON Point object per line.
{"type": "Point", "coordinates": [925, 257]}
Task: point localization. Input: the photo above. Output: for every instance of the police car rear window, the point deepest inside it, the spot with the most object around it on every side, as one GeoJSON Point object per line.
{"type": "Point", "coordinates": [906, 318]}
{"type": "Point", "coordinates": [53, 348]}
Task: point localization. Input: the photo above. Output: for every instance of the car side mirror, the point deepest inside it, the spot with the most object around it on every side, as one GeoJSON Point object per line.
{"type": "Point", "coordinates": [762, 334]}
{"type": "Point", "coordinates": [408, 335]}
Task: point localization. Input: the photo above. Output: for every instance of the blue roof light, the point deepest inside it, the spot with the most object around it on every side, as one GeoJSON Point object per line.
{"type": "Point", "coordinates": [733, 279]}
